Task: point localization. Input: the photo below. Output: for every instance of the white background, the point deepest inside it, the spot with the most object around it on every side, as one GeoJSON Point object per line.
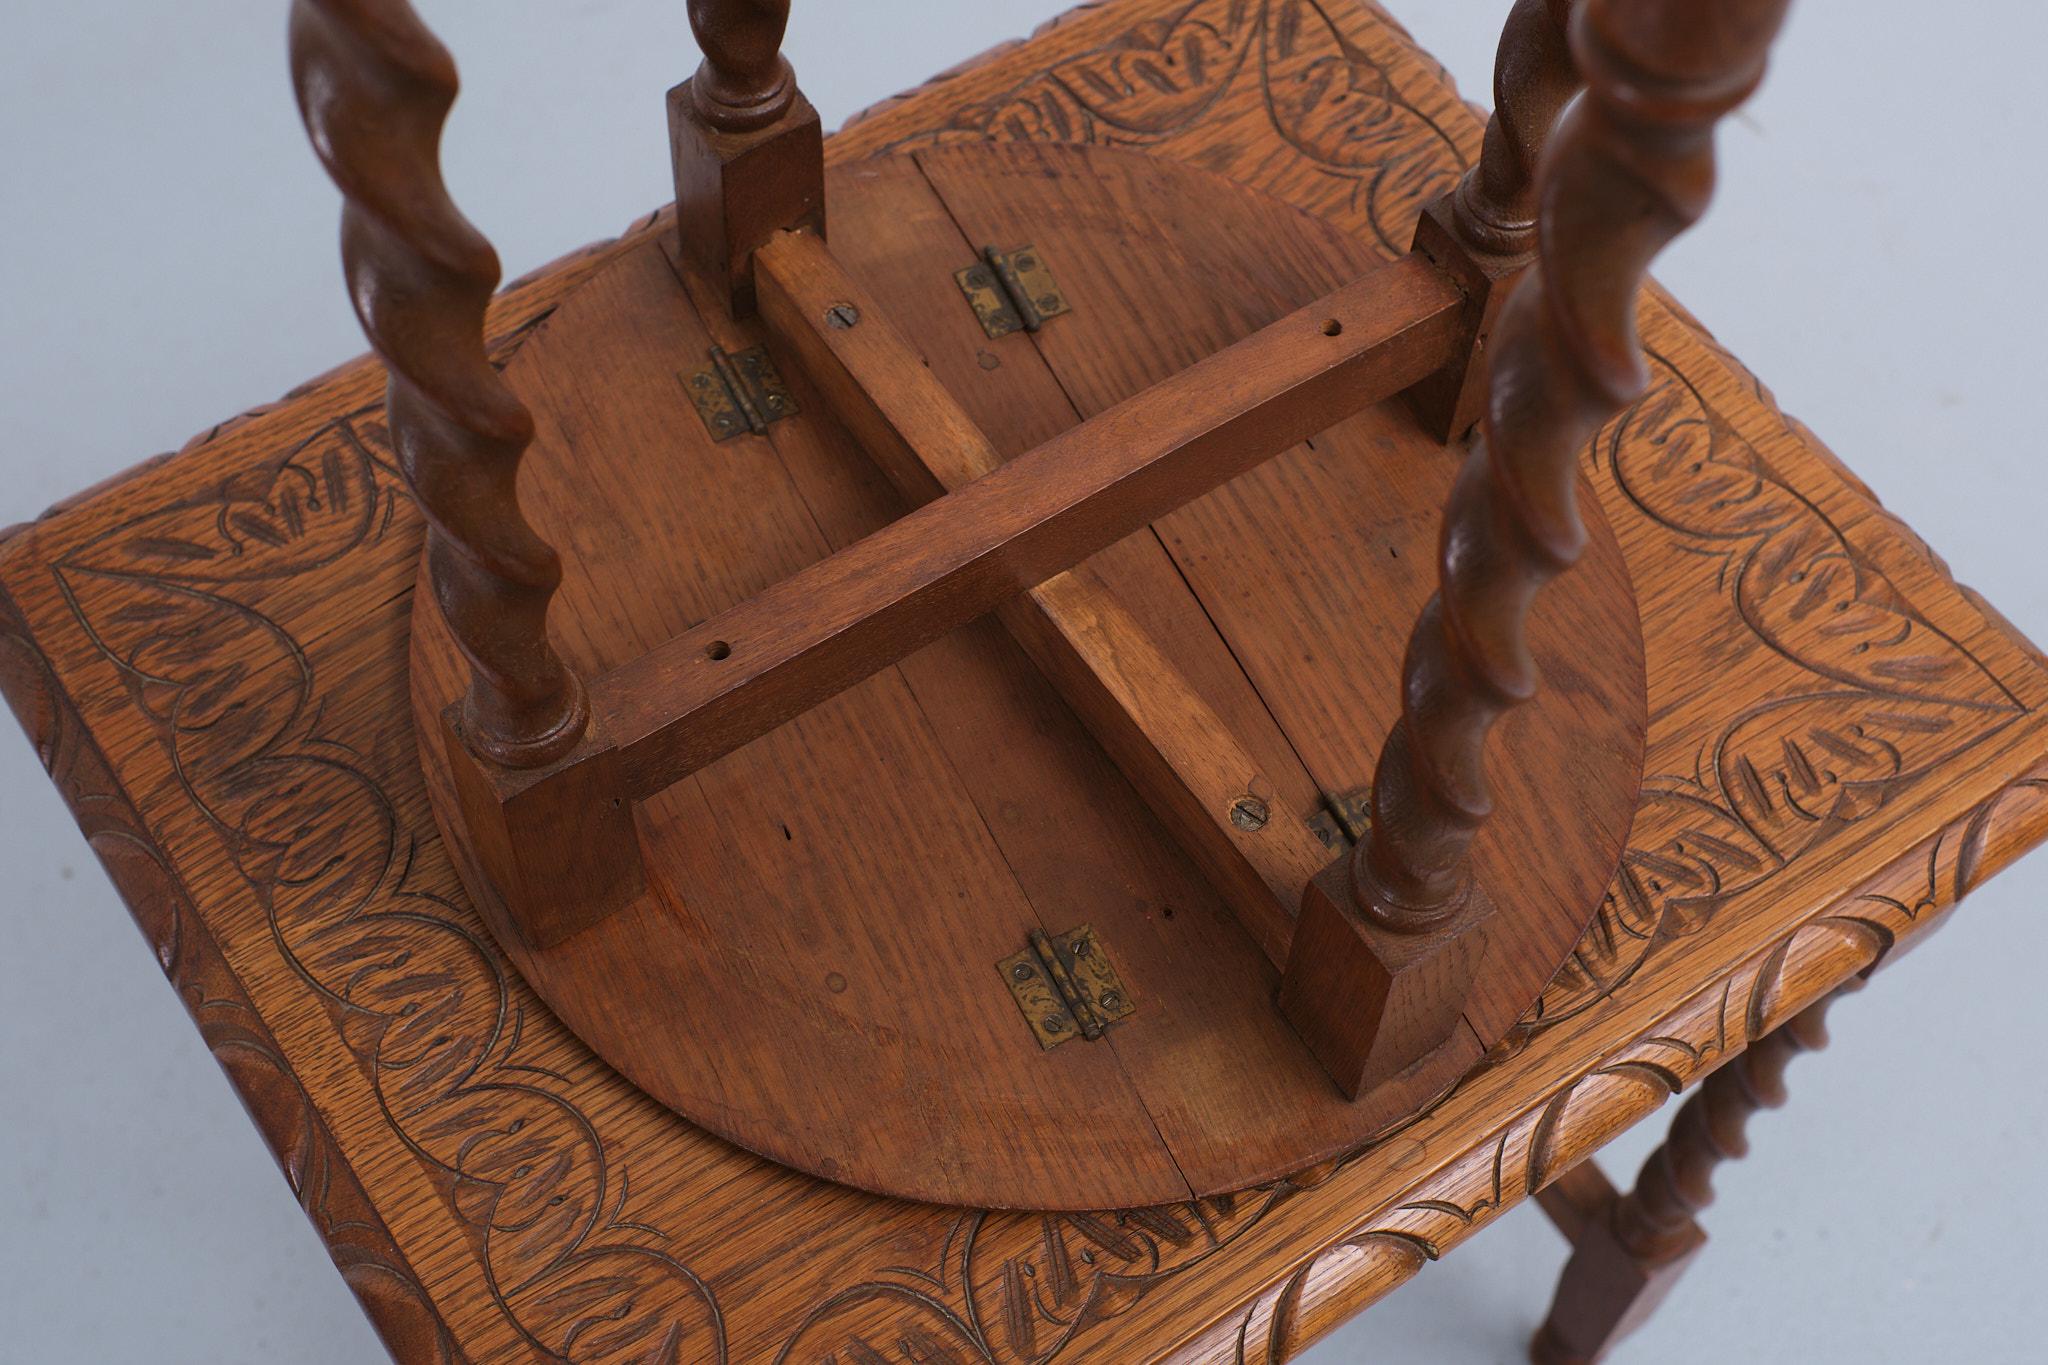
{"type": "Point", "coordinates": [167, 259]}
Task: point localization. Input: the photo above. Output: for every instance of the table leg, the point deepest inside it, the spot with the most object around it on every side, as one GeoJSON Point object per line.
{"type": "Point", "coordinates": [1627, 1254]}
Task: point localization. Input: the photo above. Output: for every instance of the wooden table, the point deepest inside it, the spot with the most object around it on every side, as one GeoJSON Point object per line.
{"type": "Point", "coordinates": [1843, 741]}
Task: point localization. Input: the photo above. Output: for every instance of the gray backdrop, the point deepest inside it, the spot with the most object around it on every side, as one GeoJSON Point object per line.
{"type": "Point", "coordinates": [169, 260]}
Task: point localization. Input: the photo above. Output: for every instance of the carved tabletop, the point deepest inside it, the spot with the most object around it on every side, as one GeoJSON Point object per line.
{"type": "Point", "coordinates": [209, 653]}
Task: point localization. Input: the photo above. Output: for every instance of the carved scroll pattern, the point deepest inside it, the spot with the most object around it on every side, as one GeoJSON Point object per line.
{"type": "Point", "coordinates": [359, 909]}
{"type": "Point", "coordinates": [1334, 104]}
{"type": "Point", "coordinates": [1874, 696]}
{"type": "Point", "coordinates": [341, 1211]}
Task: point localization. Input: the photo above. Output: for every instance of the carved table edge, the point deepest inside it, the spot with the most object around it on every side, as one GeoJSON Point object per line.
{"type": "Point", "coordinates": [979, 60]}
{"type": "Point", "coordinates": [1853, 937]}
{"type": "Point", "coordinates": [357, 1239]}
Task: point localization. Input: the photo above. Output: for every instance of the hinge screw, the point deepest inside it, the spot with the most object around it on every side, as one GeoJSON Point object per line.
{"type": "Point", "coordinates": [841, 316]}
{"type": "Point", "coordinates": [1250, 814]}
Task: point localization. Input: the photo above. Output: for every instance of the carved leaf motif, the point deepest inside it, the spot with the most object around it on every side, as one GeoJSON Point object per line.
{"type": "Point", "coordinates": [1686, 856]}
{"type": "Point", "coordinates": [172, 601]}
{"type": "Point", "coordinates": [1340, 109]}
{"type": "Point", "coordinates": [1797, 582]}
{"type": "Point", "coordinates": [228, 680]}
{"type": "Point", "coordinates": [1151, 81]}
{"type": "Point", "coordinates": [1792, 770]}
{"type": "Point", "coordinates": [1877, 697]}
{"type": "Point", "coordinates": [627, 1305]}
{"type": "Point", "coordinates": [1328, 100]}
{"type": "Point", "coordinates": [884, 1321]}
{"type": "Point", "coordinates": [1029, 1283]}
{"type": "Point", "coordinates": [286, 517]}
{"type": "Point", "coordinates": [1849, 624]}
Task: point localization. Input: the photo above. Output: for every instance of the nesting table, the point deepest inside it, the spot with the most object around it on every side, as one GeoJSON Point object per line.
{"type": "Point", "coordinates": [209, 653]}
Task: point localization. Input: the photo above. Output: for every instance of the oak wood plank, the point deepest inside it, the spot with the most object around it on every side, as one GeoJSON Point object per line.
{"type": "Point", "coordinates": [1285, 556]}
{"type": "Point", "coordinates": [710, 689]}
{"type": "Point", "coordinates": [1161, 732]}
{"type": "Point", "coordinates": [749, 859]}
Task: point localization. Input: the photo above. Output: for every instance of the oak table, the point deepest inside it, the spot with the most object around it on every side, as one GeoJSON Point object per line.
{"type": "Point", "coordinates": [209, 655]}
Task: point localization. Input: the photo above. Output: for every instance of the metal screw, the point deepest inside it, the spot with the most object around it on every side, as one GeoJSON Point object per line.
{"type": "Point", "coordinates": [1110, 1000]}
{"type": "Point", "coordinates": [1021, 972]}
{"type": "Point", "coordinates": [1081, 948]}
{"type": "Point", "coordinates": [1052, 1023]}
{"type": "Point", "coordinates": [1250, 814]}
{"type": "Point", "coordinates": [841, 316]}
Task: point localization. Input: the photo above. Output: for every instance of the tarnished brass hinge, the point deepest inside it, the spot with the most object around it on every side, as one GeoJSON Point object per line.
{"type": "Point", "coordinates": [1344, 818]}
{"type": "Point", "coordinates": [1011, 290]}
{"type": "Point", "coordinates": [739, 393]}
{"type": "Point", "coordinates": [1066, 986]}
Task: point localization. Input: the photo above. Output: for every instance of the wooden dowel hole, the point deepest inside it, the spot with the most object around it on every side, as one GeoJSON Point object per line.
{"type": "Point", "coordinates": [1332, 327]}
{"type": "Point", "coordinates": [718, 649]}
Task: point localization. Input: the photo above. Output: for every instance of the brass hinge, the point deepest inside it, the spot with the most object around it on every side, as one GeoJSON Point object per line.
{"type": "Point", "coordinates": [1344, 819]}
{"type": "Point", "coordinates": [1066, 986]}
{"type": "Point", "coordinates": [740, 393]}
{"type": "Point", "coordinates": [1011, 290]}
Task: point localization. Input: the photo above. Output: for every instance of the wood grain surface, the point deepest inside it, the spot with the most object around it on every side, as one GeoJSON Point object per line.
{"type": "Point", "coordinates": [209, 652]}
{"type": "Point", "coordinates": [810, 971]}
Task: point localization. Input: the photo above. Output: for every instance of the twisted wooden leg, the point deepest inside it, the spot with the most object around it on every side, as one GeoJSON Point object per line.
{"type": "Point", "coordinates": [1626, 1258]}
{"type": "Point", "coordinates": [1390, 941]}
{"type": "Point", "coordinates": [748, 151]}
{"type": "Point", "coordinates": [1484, 232]}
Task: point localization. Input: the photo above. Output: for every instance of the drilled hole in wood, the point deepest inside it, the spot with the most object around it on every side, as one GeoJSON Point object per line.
{"type": "Point", "coordinates": [1332, 327]}
{"type": "Point", "coordinates": [718, 649]}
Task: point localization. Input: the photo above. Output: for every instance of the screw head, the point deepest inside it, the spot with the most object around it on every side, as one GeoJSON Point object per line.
{"type": "Point", "coordinates": [1021, 972]}
{"type": "Point", "coordinates": [1052, 1023]}
{"type": "Point", "coordinates": [841, 316]}
{"type": "Point", "coordinates": [1110, 1000]}
{"type": "Point", "coordinates": [1250, 814]}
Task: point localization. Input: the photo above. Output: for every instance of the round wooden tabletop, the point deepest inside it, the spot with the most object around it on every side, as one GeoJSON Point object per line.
{"type": "Point", "coordinates": [813, 970]}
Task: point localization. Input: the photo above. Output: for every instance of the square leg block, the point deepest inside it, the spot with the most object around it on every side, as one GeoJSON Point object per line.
{"type": "Point", "coordinates": [1369, 1001]}
{"type": "Point", "coordinates": [557, 843]}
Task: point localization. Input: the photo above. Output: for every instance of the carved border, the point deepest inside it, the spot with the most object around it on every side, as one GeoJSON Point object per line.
{"type": "Point", "coordinates": [340, 1209]}
{"type": "Point", "coordinates": [176, 600]}
{"type": "Point", "coordinates": [1329, 100]}
{"type": "Point", "coordinates": [1857, 936]}
{"type": "Point", "coordinates": [1047, 1279]}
